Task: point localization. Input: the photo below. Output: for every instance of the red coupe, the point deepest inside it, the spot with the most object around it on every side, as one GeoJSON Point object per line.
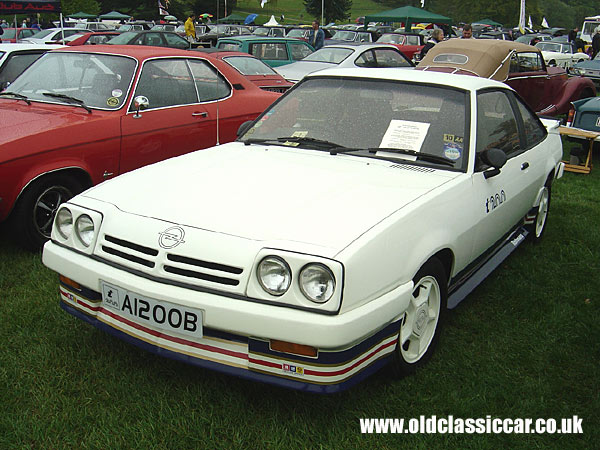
{"type": "Point", "coordinates": [75, 118]}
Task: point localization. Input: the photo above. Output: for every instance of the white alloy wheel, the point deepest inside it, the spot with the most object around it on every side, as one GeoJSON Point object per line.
{"type": "Point", "coordinates": [421, 319]}
{"type": "Point", "coordinates": [542, 213]}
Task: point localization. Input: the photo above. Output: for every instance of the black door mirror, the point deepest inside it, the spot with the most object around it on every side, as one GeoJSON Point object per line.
{"type": "Point", "coordinates": [244, 127]}
{"type": "Point", "coordinates": [495, 158]}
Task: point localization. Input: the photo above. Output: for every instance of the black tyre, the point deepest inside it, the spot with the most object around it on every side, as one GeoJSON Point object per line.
{"type": "Point", "coordinates": [34, 213]}
{"type": "Point", "coordinates": [422, 322]}
{"type": "Point", "coordinates": [537, 228]}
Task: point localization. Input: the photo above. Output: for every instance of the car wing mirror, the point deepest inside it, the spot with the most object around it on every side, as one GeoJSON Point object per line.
{"type": "Point", "coordinates": [140, 103]}
{"type": "Point", "coordinates": [495, 158]}
{"type": "Point", "coordinates": [244, 127]}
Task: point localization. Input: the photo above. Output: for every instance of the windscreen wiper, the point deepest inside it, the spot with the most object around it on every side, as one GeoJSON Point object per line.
{"type": "Point", "coordinates": [69, 99]}
{"type": "Point", "coordinates": [425, 156]}
{"type": "Point", "coordinates": [17, 96]}
{"type": "Point", "coordinates": [320, 144]}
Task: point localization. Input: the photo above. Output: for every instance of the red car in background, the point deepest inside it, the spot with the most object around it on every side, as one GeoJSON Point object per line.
{"type": "Point", "coordinates": [407, 43]}
{"type": "Point", "coordinates": [255, 70]}
{"type": "Point", "coordinates": [14, 35]}
{"type": "Point", "coordinates": [94, 38]}
{"type": "Point", "coordinates": [75, 118]}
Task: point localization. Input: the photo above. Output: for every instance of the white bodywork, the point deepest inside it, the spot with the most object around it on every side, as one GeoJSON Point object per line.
{"type": "Point", "coordinates": [373, 223]}
{"type": "Point", "coordinates": [564, 58]}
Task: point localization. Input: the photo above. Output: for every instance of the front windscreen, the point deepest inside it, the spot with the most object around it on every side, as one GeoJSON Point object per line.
{"type": "Point", "coordinates": [96, 80]}
{"type": "Point", "coordinates": [368, 115]}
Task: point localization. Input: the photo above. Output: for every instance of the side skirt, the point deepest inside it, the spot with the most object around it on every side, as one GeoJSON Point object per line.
{"type": "Point", "coordinates": [466, 283]}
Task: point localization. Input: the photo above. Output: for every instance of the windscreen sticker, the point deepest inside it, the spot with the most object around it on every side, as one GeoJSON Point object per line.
{"type": "Point", "coordinates": [117, 93]}
{"type": "Point", "coordinates": [405, 134]}
{"type": "Point", "coordinates": [300, 134]}
{"type": "Point", "coordinates": [112, 101]}
{"type": "Point", "coordinates": [452, 151]}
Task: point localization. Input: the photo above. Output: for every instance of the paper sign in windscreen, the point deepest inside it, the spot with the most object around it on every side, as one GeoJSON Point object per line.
{"type": "Point", "coordinates": [405, 134]}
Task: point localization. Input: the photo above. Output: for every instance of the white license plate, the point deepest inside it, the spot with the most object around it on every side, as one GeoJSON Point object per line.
{"type": "Point", "coordinates": [154, 313]}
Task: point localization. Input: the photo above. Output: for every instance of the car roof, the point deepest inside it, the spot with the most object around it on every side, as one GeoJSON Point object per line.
{"type": "Point", "coordinates": [137, 51]}
{"type": "Point", "coordinates": [392, 73]}
{"type": "Point", "coordinates": [18, 47]}
{"type": "Point", "coordinates": [485, 57]}
{"type": "Point", "coordinates": [249, 37]}
{"type": "Point", "coordinates": [359, 46]}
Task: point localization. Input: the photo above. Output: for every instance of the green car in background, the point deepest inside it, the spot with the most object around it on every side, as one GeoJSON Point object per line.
{"type": "Point", "coordinates": [274, 51]}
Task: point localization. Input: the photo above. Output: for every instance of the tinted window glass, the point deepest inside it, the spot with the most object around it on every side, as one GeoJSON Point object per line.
{"type": "Point", "coordinates": [299, 51]}
{"type": "Point", "coordinates": [166, 82]}
{"type": "Point", "coordinates": [15, 65]}
{"type": "Point", "coordinates": [381, 58]}
{"type": "Point", "coordinates": [211, 85]}
{"type": "Point", "coordinates": [269, 50]}
{"type": "Point", "coordinates": [496, 124]}
{"type": "Point", "coordinates": [534, 129]}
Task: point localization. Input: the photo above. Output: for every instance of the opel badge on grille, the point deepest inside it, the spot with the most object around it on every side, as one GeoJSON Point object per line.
{"type": "Point", "coordinates": [171, 237]}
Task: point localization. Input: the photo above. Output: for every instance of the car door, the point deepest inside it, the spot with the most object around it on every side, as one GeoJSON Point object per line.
{"type": "Point", "coordinates": [502, 201]}
{"type": "Point", "coordinates": [527, 76]}
{"type": "Point", "coordinates": [182, 113]}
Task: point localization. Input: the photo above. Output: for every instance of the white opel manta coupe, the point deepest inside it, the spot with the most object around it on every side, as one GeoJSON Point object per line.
{"type": "Point", "coordinates": [327, 241]}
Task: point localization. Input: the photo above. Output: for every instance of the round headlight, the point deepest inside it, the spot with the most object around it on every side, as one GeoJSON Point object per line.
{"type": "Point", "coordinates": [84, 226]}
{"type": "Point", "coordinates": [317, 283]}
{"type": "Point", "coordinates": [274, 275]}
{"type": "Point", "coordinates": [64, 223]}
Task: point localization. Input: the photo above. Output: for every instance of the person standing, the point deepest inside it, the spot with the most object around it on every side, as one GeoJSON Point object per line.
{"type": "Point", "coordinates": [190, 29]}
{"type": "Point", "coordinates": [316, 37]}
{"type": "Point", "coordinates": [596, 42]}
{"type": "Point", "coordinates": [436, 37]}
{"type": "Point", "coordinates": [467, 31]}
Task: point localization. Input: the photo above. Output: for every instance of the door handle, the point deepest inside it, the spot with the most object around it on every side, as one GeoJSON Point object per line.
{"type": "Point", "coordinates": [200, 114]}
{"type": "Point", "coordinates": [524, 166]}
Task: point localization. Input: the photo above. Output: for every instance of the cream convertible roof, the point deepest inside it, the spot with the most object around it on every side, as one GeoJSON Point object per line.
{"type": "Point", "coordinates": [488, 58]}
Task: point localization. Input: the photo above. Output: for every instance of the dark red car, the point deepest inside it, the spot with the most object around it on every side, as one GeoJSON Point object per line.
{"type": "Point", "coordinates": [75, 118]}
{"type": "Point", "coordinates": [407, 43]}
{"type": "Point", "coordinates": [252, 68]}
{"type": "Point", "coordinates": [14, 35]}
{"type": "Point", "coordinates": [547, 90]}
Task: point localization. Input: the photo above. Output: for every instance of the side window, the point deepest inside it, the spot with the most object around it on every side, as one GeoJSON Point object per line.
{"type": "Point", "coordinates": [166, 82]}
{"type": "Point", "coordinates": [299, 51]}
{"type": "Point", "coordinates": [175, 41]}
{"type": "Point", "coordinates": [16, 64]}
{"type": "Point", "coordinates": [535, 131]}
{"type": "Point", "coordinates": [496, 123]}
{"type": "Point", "coordinates": [526, 62]}
{"type": "Point", "coordinates": [230, 46]}
{"type": "Point", "coordinates": [381, 58]}
{"type": "Point", "coordinates": [269, 50]}
{"type": "Point", "coordinates": [209, 82]}
{"type": "Point", "coordinates": [153, 39]}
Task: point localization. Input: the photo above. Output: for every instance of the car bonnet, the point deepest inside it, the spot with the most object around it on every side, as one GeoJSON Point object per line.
{"type": "Point", "coordinates": [271, 193]}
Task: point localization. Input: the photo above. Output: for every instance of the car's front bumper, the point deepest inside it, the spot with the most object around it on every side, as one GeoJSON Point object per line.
{"type": "Point", "coordinates": [237, 334]}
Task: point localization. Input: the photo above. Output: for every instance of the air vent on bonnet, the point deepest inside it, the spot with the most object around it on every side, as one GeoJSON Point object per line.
{"type": "Point", "coordinates": [412, 168]}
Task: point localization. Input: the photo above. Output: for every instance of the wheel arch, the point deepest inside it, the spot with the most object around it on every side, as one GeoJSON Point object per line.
{"type": "Point", "coordinates": [80, 175]}
{"type": "Point", "coordinates": [446, 257]}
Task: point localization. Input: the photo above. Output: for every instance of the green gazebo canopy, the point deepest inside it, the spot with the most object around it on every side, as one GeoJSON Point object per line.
{"type": "Point", "coordinates": [82, 15]}
{"type": "Point", "coordinates": [114, 15]}
{"type": "Point", "coordinates": [408, 15]}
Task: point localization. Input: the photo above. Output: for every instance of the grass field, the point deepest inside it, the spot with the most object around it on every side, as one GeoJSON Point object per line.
{"type": "Point", "coordinates": [294, 11]}
{"type": "Point", "coordinates": [525, 344]}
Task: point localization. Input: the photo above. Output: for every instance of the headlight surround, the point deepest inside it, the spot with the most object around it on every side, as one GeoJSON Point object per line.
{"type": "Point", "coordinates": [274, 275]}
{"type": "Point", "coordinates": [317, 283]}
{"type": "Point", "coordinates": [64, 222]}
{"type": "Point", "coordinates": [84, 227]}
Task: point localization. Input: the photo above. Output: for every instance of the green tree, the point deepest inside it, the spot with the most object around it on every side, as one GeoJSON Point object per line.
{"type": "Point", "coordinates": [334, 9]}
{"type": "Point", "coordinates": [75, 6]}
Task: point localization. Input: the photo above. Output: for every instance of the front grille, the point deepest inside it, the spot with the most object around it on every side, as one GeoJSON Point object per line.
{"type": "Point", "coordinates": [279, 89]}
{"type": "Point", "coordinates": [178, 267]}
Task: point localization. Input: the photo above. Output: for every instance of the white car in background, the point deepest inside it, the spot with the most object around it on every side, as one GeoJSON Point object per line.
{"type": "Point", "coordinates": [52, 35]}
{"type": "Point", "coordinates": [328, 241]}
{"type": "Point", "coordinates": [345, 55]}
{"type": "Point", "coordinates": [562, 54]}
